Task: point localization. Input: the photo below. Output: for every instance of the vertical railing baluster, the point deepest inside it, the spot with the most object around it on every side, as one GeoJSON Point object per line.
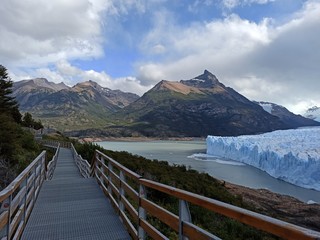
{"type": "Point", "coordinates": [109, 177]}
{"type": "Point", "coordinates": [34, 183]}
{"type": "Point", "coordinates": [184, 216]}
{"type": "Point", "coordinates": [141, 212]}
{"type": "Point", "coordinates": [96, 160]}
{"type": "Point", "coordinates": [25, 202]}
{"type": "Point", "coordinates": [121, 190]}
{"type": "Point", "coordinates": [9, 218]}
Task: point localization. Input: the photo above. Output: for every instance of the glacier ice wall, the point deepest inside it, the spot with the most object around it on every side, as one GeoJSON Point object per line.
{"type": "Point", "coordinates": [290, 155]}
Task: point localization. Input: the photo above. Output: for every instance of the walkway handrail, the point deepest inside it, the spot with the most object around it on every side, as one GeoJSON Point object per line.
{"type": "Point", "coordinates": [52, 164]}
{"type": "Point", "coordinates": [18, 198]}
{"type": "Point", "coordinates": [113, 179]}
{"type": "Point", "coordinates": [55, 143]}
{"type": "Point", "coordinates": [83, 164]}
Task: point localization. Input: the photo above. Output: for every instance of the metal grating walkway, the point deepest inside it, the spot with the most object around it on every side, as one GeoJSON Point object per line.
{"type": "Point", "coordinates": [72, 207]}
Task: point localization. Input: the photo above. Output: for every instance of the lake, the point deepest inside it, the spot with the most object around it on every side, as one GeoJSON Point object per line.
{"type": "Point", "coordinates": [192, 153]}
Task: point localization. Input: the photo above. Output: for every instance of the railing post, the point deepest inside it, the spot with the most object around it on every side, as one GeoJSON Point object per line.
{"type": "Point", "coordinates": [25, 203]}
{"type": "Point", "coordinates": [9, 218]}
{"type": "Point", "coordinates": [96, 166]}
{"type": "Point", "coordinates": [93, 163]}
{"type": "Point", "coordinates": [34, 170]}
{"type": "Point", "coordinates": [109, 177]}
{"type": "Point", "coordinates": [43, 168]}
{"type": "Point", "coordinates": [121, 190]}
{"type": "Point", "coordinates": [142, 212]}
{"type": "Point", "coordinates": [184, 216]}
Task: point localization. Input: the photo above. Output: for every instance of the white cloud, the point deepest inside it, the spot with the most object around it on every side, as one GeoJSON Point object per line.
{"type": "Point", "coordinates": [63, 71]}
{"type": "Point", "coordinates": [213, 44]}
{"type": "Point", "coordinates": [265, 61]}
{"type": "Point", "coordinates": [35, 33]}
{"type": "Point", "coordinates": [230, 4]}
{"type": "Point", "coordinates": [261, 60]}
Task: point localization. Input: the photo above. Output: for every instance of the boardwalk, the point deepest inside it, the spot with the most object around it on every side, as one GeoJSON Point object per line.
{"type": "Point", "coordinates": [72, 207]}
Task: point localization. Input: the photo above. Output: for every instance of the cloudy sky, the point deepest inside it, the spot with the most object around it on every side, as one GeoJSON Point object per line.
{"type": "Point", "coordinates": [265, 49]}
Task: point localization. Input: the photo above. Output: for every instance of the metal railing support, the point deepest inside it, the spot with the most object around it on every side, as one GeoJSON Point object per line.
{"type": "Point", "coordinates": [121, 191]}
{"type": "Point", "coordinates": [184, 216]}
{"type": "Point", "coordinates": [142, 212]}
{"type": "Point", "coordinates": [110, 167]}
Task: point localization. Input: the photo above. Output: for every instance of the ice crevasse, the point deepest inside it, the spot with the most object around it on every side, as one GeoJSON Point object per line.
{"type": "Point", "coordinates": [290, 155]}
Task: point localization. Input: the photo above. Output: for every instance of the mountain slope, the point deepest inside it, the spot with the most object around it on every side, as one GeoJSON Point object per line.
{"type": "Point", "coordinates": [313, 113]}
{"type": "Point", "coordinates": [290, 119]}
{"type": "Point", "coordinates": [196, 107]}
{"type": "Point", "coordinates": [82, 106]}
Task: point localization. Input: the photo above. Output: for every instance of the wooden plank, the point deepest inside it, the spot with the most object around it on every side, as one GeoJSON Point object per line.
{"type": "Point", "coordinates": [17, 199]}
{"type": "Point", "coordinates": [30, 180]}
{"type": "Point", "coordinates": [195, 232]}
{"type": "Point", "coordinates": [115, 190]}
{"type": "Point", "coordinates": [259, 221]}
{"type": "Point", "coordinates": [126, 171]}
{"type": "Point", "coordinates": [19, 231]}
{"type": "Point", "coordinates": [130, 228]}
{"type": "Point", "coordinates": [5, 193]}
{"type": "Point", "coordinates": [114, 203]}
{"type": "Point", "coordinates": [16, 219]}
{"type": "Point", "coordinates": [29, 196]}
{"type": "Point", "coordinates": [132, 211]}
{"type": "Point", "coordinates": [162, 214]}
{"type": "Point", "coordinates": [112, 199]}
{"type": "Point", "coordinates": [104, 166]}
{"type": "Point", "coordinates": [115, 178]}
{"type": "Point", "coordinates": [105, 178]}
{"type": "Point", "coordinates": [152, 231]}
{"type": "Point", "coordinates": [130, 191]}
{"type": "Point", "coordinates": [38, 170]}
{"type": "Point", "coordinates": [4, 219]}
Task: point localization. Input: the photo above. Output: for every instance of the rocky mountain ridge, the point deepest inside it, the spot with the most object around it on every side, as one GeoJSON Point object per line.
{"type": "Point", "coordinates": [289, 118]}
{"type": "Point", "coordinates": [196, 107]}
{"type": "Point", "coordinates": [187, 108]}
{"type": "Point", "coordinates": [65, 108]}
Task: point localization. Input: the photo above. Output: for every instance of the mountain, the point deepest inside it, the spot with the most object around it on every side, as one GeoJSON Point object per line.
{"type": "Point", "coordinates": [313, 113]}
{"type": "Point", "coordinates": [195, 107]}
{"type": "Point", "coordinates": [82, 106]}
{"type": "Point", "coordinates": [290, 119]}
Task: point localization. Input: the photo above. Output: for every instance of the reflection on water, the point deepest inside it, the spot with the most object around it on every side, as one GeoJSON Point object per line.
{"type": "Point", "coordinates": [192, 153]}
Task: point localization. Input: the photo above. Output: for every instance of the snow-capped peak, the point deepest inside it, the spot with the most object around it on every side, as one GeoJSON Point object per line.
{"type": "Point", "coordinates": [266, 106]}
{"type": "Point", "coordinates": [313, 113]}
{"type": "Point", "coordinates": [270, 107]}
{"type": "Point", "coordinates": [197, 79]}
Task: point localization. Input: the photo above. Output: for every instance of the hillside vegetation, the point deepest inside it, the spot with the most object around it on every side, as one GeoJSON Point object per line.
{"type": "Point", "coordinates": [17, 145]}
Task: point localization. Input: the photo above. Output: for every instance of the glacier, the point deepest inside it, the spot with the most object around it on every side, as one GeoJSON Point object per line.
{"type": "Point", "coordinates": [290, 155]}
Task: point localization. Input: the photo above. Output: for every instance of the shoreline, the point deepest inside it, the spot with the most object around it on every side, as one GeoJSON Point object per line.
{"type": "Point", "coordinates": [137, 139]}
{"type": "Point", "coordinates": [283, 207]}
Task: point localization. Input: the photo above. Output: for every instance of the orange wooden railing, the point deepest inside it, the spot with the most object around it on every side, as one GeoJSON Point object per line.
{"type": "Point", "coordinates": [133, 205]}
{"type": "Point", "coordinates": [18, 198]}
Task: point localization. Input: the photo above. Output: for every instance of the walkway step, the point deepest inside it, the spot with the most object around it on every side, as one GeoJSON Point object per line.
{"type": "Point", "coordinates": [72, 207]}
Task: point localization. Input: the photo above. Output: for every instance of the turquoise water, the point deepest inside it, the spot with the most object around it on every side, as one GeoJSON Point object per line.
{"type": "Point", "coordinates": [186, 153]}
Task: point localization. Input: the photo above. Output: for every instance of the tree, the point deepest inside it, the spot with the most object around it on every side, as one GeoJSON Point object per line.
{"type": "Point", "coordinates": [17, 146]}
{"type": "Point", "coordinates": [8, 103]}
{"type": "Point", "coordinates": [28, 121]}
